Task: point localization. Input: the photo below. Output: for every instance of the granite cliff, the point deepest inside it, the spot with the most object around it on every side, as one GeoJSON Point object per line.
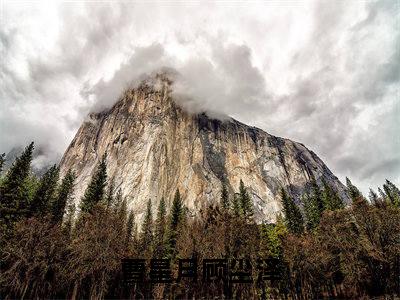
{"type": "Point", "coordinates": [155, 147]}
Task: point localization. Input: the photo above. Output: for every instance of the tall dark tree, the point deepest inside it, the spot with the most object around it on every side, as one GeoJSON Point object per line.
{"type": "Point", "coordinates": [2, 161]}
{"type": "Point", "coordinates": [245, 201]}
{"type": "Point", "coordinates": [110, 194]}
{"type": "Point", "coordinates": [46, 193]}
{"type": "Point", "coordinates": [130, 224]}
{"type": "Point", "coordinates": [146, 239]}
{"type": "Point", "coordinates": [330, 198]}
{"type": "Point", "coordinates": [373, 196]}
{"type": "Point", "coordinates": [96, 188]}
{"type": "Point", "coordinates": [160, 229]}
{"type": "Point", "coordinates": [237, 211]}
{"type": "Point", "coordinates": [14, 194]}
{"type": "Point", "coordinates": [392, 192]}
{"type": "Point", "coordinates": [175, 219]}
{"type": "Point", "coordinates": [64, 197]}
{"type": "Point", "coordinates": [225, 197]}
{"type": "Point", "coordinates": [293, 218]}
{"type": "Point", "coordinates": [353, 191]}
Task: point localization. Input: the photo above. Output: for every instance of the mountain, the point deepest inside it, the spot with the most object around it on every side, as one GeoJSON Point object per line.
{"type": "Point", "coordinates": [155, 147]}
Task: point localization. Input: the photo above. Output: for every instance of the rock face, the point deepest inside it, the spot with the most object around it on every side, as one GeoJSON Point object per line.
{"type": "Point", "coordinates": [154, 147]}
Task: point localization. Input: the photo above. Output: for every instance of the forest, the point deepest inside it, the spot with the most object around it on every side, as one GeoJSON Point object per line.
{"type": "Point", "coordinates": [321, 247]}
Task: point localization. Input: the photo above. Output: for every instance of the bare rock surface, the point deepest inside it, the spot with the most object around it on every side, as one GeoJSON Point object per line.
{"type": "Point", "coordinates": [154, 147]}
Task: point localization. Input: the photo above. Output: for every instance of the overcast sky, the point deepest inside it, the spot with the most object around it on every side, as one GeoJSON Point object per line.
{"type": "Point", "coordinates": [324, 73]}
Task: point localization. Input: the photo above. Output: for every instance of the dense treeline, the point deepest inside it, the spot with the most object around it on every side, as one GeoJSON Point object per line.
{"type": "Point", "coordinates": [51, 249]}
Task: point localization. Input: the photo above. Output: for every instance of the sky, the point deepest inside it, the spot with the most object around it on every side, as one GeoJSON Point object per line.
{"type": "Point", "coordinates": [323, 73]}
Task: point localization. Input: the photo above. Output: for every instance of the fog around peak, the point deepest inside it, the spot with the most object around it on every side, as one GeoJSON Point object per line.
{"type": "Point", "coordinates": [321, 73]}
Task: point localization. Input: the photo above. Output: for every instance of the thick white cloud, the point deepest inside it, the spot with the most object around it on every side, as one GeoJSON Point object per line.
{"type": "Point", "coordinates": [325, 73]}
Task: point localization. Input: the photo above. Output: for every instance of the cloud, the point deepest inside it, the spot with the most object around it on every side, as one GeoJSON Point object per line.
{"type": "Point", "coordinates": [322, 73]}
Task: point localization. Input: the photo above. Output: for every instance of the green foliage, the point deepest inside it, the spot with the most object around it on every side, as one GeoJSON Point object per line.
{"type": "Point", "coordinates": [176, 216]}
{"type": "Point", "coordinates": [15, 190]}
{"type": "Point", "coordinates": [96, 188]}
{"type": "Point", "coordinates": [64, 196]}
{"type": "Point", "coordinates": [224, 197]}
{"type": "Point", "coordinates": [246, 204]}
{"type": "Point", "coordinates": [392, 192]}
{"type": "Point", "coordinates": [46, 193]}
{"type": "Point", "coordinates": [314, 205]}
{"type": "Point", "coordinates": [236, 205]}
{"type": "Point", "coordinates": [271, 238]}
{"type": "Point", "coordinates": [293, 218]}
{"type": "Point", "coordinates": [160, 230]}
{"type": "Point", "coordinates": [353, 191]}
{"type": "Point", "coordinates": [110, 194]}
{"type": "Point", "coordinates": [330, 198]}
{"type": "Point", "coordinates": [2, 161]}
{"type": "Point", "coordinates": [147, 230]}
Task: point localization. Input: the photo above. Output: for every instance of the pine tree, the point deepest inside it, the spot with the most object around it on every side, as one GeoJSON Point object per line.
{"type": "Point", "coordinates": [392, 192]}
{"type": "Point", "coordinates": [147, 230]}
{"type": "Point", "coordinates": [160, 229]}
{"type": "Point", "coordinates": [14, 194]}
{"type": "Point", "coordinates": [293, 217]}
{"type": "Point", "coordinates": [245, 201]}
{"type": "Point", "coordinates": [110, 194]}
{"type": "Point", "coordinates": [64, 197]}
{"type": "Point", "coordinates": [130, 224]}
{"type": "Point", "coordinates": [95, 190]}
{"type": "Point", "coordinates": [373, 197]}
{"type": "Point", "coordinates": [176, 216]}
{"type": "Point", "coordinates": [330, 198]}
{"type": "Point", "coordinates": [69, 218]}
{"type": "Point", "coordinates": [353, 191]}
{"type": "Point", "coordinates": [46, 193]}
{"type": "Point", "coordinates": [225, 197]}
{"type": "Point", "coordinates": [2, 161]}
{"type": "Point", "coordinates": [236, 205]}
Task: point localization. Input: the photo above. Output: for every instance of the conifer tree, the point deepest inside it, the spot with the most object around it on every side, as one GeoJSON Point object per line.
{"type": "Point", "coordinates": [95, 190]}
{"type": "Point", "coordinates": [353, 191]}
{"type": "Point", "coordinates": [392, 192]}
{"type": "Point", "coordinates": [330, 198]}
{"type": "Point", "coordinates": [14, 194]}
{"type": "Point", "coordinates": [293, 217]}
{"type": "Point", "coordinates": [130, 224]}
{"type": "Point", "coordinates": [373, 197]}
{"type": "Point", "coordinates": [69, 218]}
{"type": "Point", "coordinates": [122, 210]}
{"type": "Point", "coordinates": [46, 193]}
{"type": "Point", "coordinates": [147, 230]}
{"type": "Point", "coordinates": [2, 161]}
{"type": "Point", "coordinates": [225, 197]}
{"type": "Point", "coordinates": [160, 229]}
{"type": "Point", "coordinates": [236, 205]}
{"type": "Point", "coordinates": [175, 219]}
{"type": "Point", "coordinates": [63, 197]}
{"type": "Point", "coordinates": [110, 194]}
{"type": "Point", "coordinates": [245, 201]}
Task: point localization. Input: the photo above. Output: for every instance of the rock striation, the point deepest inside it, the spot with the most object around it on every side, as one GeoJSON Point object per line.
{"type": "Point", "coordinates": [155, 147]}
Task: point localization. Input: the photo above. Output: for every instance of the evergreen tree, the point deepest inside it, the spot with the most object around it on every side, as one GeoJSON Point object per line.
{"type": "Point", "coordinates": [382, 194]}
{"type": "Point", "coordinates": [95, 190]}
{"type": "Point", "coordinates": [175, 219]}
{"type": "Point", "coordinates": [293, 217]}
{"type": "Point", "coordinates": [373, 197]}
{"type": "Point", "coordinates": [236, 205]}
{"type": "Point", "coordinates": [330, 199]}
{"type": "Point", "coordinates": [14, 193]}
{"type": "Point", "coordinates": [147, 230]}
{"type": "Point", "coordinates": [117, 201]}
{"type": "Point", "coordinates": [69, 218]}
{"type": "Point", "coordinates": [2, 161]}
{"type": "Point", "coordinates": [46, 193]}
{"type": "Point", "coordinates": [314, 205]}
{"type": "Point", "coordinates": [130, 224]}
{"type": "Point", "coordinates": [392, 192]}
{"type": "Point", "coordinates": [64, 196]}
{"type": "Point", "coordinates": [225, 197]}
{"type": "Point", "coordinates": [110, 194]}
{"type": "Point", "coordinates": [160, 229]}
{"type": "Point", "coordinates": [353, 191]}
{"type": "Point", "coordinates": [245, 201]}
